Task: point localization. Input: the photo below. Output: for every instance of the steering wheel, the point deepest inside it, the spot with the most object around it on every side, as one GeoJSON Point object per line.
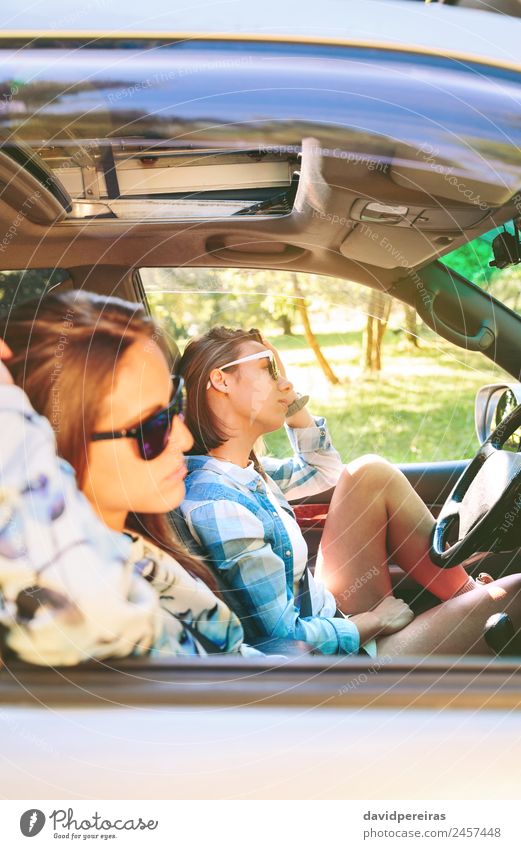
{"type": "Point", "coordinates": [483, 511]}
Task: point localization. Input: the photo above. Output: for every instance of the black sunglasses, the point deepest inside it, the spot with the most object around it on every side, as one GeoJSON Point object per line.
{"type": "Point", "coordinates": [152, 433]}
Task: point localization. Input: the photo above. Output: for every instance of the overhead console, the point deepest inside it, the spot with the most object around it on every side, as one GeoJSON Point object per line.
{"type": "Point", "coordinates": [393, 235]}
{"type": "Point", "coordinates": [419, 216]}
{"type": "Point", "coordinates": [400, 222]}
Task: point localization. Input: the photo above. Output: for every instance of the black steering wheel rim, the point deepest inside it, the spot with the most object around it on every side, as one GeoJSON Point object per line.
{"type": "Point", "coordinates": [485, 502]}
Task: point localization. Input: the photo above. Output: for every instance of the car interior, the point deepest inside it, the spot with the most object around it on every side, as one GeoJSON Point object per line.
{"type": "Point", "coordinates": [296, 185]}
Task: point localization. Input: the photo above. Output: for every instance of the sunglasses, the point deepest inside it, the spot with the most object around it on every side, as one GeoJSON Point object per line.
{"type": "Point", "coordinates": [272, 365]}
{"type": "Point", "coordinates": [152, 433]}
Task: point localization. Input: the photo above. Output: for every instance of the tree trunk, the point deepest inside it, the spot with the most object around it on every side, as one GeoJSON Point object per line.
{"type": "Point", "coordinates": [369, 343]}
{"type": "Point", "coordinates": [411, 329]}
{"type": "Point", "coordinates": [379, 310]}
{"type": "Point", "coordinates": [286, 325]}
{"type": "Point", "coordinates": [310, 336]}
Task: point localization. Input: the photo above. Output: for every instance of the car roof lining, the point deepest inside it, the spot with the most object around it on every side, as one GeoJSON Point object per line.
{"type": "Point", "coordinates": [324, 238]}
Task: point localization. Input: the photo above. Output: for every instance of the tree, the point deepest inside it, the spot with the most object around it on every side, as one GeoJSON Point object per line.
{"type": "Point", "coordinates": [310, 336]}
{"type": "Point", "coordinates": [410, 325]}
{"type": "Point", "coordinates": [282, 309]}
{"type": "Point", "coordinates": [378, 312]}
{"type": "Point", "coordinates": [188, 301]}
{"type": "Point", "coordinates": [17, 287]}
{"type": "Point", "coordinates": [191, 300]}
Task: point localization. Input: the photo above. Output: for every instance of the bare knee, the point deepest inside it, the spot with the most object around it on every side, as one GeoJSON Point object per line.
{"type": "Point", "coordinates": [370, 470]}
{"type": "Point", "coordinates": [500, 594]}
{"type": "Point", "coordinates": [509, 586]}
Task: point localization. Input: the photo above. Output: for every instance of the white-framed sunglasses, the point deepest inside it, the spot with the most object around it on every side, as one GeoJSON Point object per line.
{"type": "Point", "coordinates": [272, 365]}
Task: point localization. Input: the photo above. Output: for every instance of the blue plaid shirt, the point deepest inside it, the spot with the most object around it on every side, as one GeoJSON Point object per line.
{"type": "Point", "coordinates": [231, 518]}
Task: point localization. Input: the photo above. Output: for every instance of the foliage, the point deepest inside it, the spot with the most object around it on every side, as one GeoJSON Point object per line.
{"type": "Point", "coordinates": [191, 300]}
{"type": "Point", "coordinates": [473, 262]}
{"type": "Point", "coordinates": [421, 409]}
{"type": "Point", "coordinates": [17, 287]}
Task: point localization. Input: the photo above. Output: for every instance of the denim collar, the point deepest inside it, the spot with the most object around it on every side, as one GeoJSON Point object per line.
{"type": "Point", "coordinates": [247, 477]}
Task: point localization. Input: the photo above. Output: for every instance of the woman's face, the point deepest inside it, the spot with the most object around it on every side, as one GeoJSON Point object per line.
{"type": "Point", "coordinates": [118, 480]}
{"type": "Point", "coordinates": [255, 398]}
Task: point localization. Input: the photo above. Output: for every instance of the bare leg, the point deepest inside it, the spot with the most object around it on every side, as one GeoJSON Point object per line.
{"type": "Point", "coordinates": [375, 513]}
{"type": "Point", "coordinates": [457, 625]}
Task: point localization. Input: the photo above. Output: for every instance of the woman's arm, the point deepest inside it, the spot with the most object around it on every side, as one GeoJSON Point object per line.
{"type": "Point", "coordinates": [388, 617]}
{"type": "Point", "coordinates": [315, 466]}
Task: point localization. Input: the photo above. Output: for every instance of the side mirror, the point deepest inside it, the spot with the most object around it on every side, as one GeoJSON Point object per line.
{"type": "Point", "coordinates": [494, 403]}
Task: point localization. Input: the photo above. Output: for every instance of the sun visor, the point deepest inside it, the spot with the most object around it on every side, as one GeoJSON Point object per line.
{"type": "Point", "coordinates": [465, 175]}
{"type": "Point", "coordinates": [388, 247]}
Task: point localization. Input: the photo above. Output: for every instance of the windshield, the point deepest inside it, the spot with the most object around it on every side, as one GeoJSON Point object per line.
{"type": "Point", "coordinates": [474, 259]}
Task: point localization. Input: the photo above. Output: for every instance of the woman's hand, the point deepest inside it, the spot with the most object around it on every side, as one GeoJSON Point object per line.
{"type": "Point", "coordinates": [5, 374]}
{"type": "Point", "coordinates": [388, 617]}
{"type": "Point", "coordinates": [393, 615]}
{"type": "Point", "coordinates": [303, 418]}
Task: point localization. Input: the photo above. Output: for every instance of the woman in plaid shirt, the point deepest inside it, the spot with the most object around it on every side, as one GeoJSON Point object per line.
{"type": "Point", "coordinates": [237, 512]}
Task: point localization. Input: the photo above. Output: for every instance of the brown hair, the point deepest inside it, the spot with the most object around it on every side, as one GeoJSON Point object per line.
{"type": "Point", "coordinates": [211, 350]}
{"type": "Point", "coordinates": [65, 349]}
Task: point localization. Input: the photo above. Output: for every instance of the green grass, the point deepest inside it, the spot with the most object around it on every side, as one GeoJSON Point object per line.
{"type": "Point", "coordinates": [420, 408]}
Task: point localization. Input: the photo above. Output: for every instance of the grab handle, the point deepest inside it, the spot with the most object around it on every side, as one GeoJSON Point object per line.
{"type": "Point", "coordinates": [483, 339]}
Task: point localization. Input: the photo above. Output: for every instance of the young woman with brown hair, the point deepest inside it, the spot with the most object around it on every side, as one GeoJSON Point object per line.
{"type": "Point", "coordinates": [75, 585]}
{"type": "Point", "coordinates": [238, 511]}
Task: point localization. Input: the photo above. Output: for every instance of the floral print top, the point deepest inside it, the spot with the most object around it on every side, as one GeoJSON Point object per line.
{"type": "Point", "coordinates": [70, 588]}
